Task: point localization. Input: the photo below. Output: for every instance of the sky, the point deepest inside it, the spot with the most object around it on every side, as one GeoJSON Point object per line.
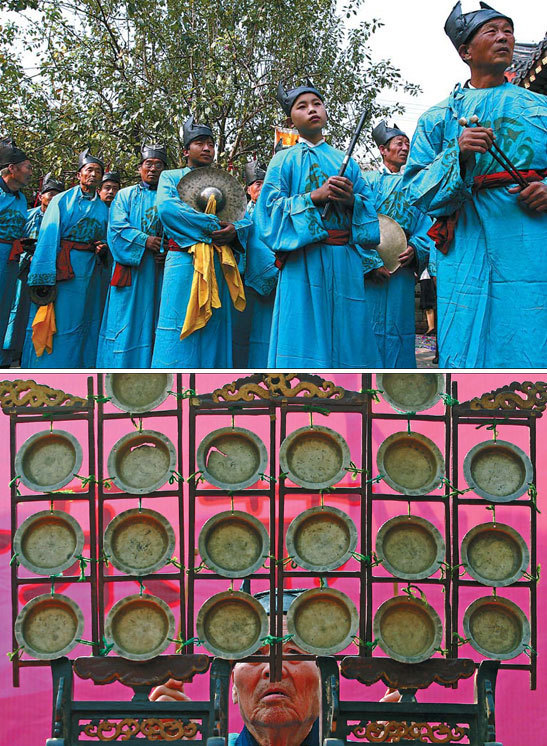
{"type": "Point", "coordinates": [413, 38]}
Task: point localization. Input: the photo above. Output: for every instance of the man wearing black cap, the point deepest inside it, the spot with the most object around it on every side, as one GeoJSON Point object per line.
{"type": "Point", "coordinates": [195, 325]}
{"type": "Point", "coordinates": [390, 296]}
{"type": "Point", "coordinates": [15, 174]}
{"type": "Point", "coordinates": [135, 240]}
{"type": "Point", "coordinates": [64, 278]}
{"type": "Point", "coordinates": [15, 332]}
{"type": "Point", "coordinates": [110, 186]}
{"type": "Point", "coordinates": [320, 319]}
{"type": "Point", "coordinates": [492, 275]}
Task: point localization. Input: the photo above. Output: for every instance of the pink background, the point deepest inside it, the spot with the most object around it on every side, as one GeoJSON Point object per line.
{"type": "Point", "coordinates": [27, 709]}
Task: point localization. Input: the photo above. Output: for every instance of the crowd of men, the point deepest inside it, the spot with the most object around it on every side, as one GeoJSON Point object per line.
{"type": "Point", "coordinates": [98, 276]}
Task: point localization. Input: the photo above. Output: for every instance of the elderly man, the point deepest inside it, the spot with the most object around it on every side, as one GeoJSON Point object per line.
{"type": "Point", "coordinates": [390, 297]}
{"type": "Point", "coordinates": [64, 278]}
{"type": "Point", "coordinates": [110, 186]}
{"type": "Point", "coordinates": [492, 275]}
{"type": "Point", "coordinates": [201, 276]}
{"type": "Point", "coordinates": [135, 239]}
{"type": "Point", "coordinates": [15, 174]}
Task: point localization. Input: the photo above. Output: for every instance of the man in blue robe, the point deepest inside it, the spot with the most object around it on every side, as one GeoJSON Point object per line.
{"type": "Point", "coordinates": [211, 345]}
{"type": "Point", "coordinates": [15, 174]}
{"type": "Point", "coordinates": [492, 275]}
{"type": "Point", "coordinates": [15, 332]}
{"type": "Point", "coordinates": [65, 271]}
{"type": "Point", "coordinates": [391, 296]}
{"type": "Point", "coordinates": [321, 318]}
{"type": "Point", "coordinates": [135, 240]}
{"type": "Point", "coordinates": [110, 186]}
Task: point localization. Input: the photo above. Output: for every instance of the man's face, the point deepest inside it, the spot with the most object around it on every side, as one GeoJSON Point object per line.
{"type": "Point", "coordinates": [21, 172]}
{"type": "Point", "coordinates": [200, 152]}
{"type": "Point", "coordinates": [90, 176]}
{"type": "Point", "coordinates": [491, 48]}
{"type": "Point", "coordinates": [46, 197]}
{"type": "Point", "coordinates": [395, 152]}
{"type": "Point", "coordinates": [150, 170]}
{"type": "Point", "coordinates": [254, 189]}
{"type": "Point", "coordinates": [291, 702]}
{"type": "Point", "coordinates": [107, 192]}
{"type": "Point", "coordinates": [308, 114]}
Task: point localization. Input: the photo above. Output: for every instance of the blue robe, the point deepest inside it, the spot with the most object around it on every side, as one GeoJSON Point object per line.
{"type": "Point", "coordinates": [492, 283]}
{"type": "Point", "coordinates": [17, 322]}
{"type": "Point", "coordinates": [73, 216]}
{"type": "Point", "coordinates": [260, 286]}
{"type": "Point", "coordinates": [392, 303]}
{"type": "Point", "coordinates": [13, 217]}
{"type": "Point", "coordinates": [129, 321]}
{"type": "Point", "coordinates": [321, 318]}
{"type": "Point", "coordinates": [211, 346]}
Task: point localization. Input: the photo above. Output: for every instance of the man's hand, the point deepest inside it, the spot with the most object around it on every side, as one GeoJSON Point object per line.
{"type": "Point", "coordinates": [154, 243]}
{"type": "Point", "coordinates": [378, 276]}
{"type": "Point", "coordinates": [226, 235]}
{"type": "Point", "coordinates": [337, 189]}
{"type": "Point", "coordinates": [534, 196]}
{"type": "Point", "coordinates": [171, 691]}
{"type": "Point", "coordinates": [407, 257]}
{"type": "Point", "coordinates": [475, 140]}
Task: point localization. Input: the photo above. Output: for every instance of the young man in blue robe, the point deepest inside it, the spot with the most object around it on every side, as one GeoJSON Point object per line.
{"type": "Point", "coordinates": [15, 174]}
{"type": "Point", "coordinates": [135, 240]}
{"type": "Point", "coordinates": [64, 278]}
{"type": "Point", "coordinates": [15, 332]}
{"type": "Point", "coordinates": [209, 344]}
{"type": "Point", "coordinates": [321, 318]}
{"type": "Point", "coordinates": [491, 234]}
{"type": "Point", "coordinates": [391, 296]}
{"type": "Point", "coordinates": [111, 184]}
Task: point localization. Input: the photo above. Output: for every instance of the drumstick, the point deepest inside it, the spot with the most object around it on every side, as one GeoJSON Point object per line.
{"type": "Point", "coordinates": [503, 160]}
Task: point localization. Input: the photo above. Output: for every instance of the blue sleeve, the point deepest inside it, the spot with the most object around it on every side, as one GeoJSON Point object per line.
{"type": "Point", "coordinates": [420, 241]}
{"type": "Point", "coordinates": [126, 242]}
{"type": "Point", "coordinates": [43, 266]}
{"type": "Point", "coordinates": [369, 185]}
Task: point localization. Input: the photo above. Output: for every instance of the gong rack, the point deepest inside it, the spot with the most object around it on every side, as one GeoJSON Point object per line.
{"type": "Point", "coordinates": [277, 397]}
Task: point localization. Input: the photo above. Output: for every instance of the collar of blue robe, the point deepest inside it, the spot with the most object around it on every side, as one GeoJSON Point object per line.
{"type": "Point", "coordinates": [151, 187]}
{"type": "Point", "coordinates": [5, 188]}
{"type": "Point", "coordinates": [254, 172]}
{"type": "Point", "coordinates": [86, 157]}
{"type": "Point", "coordinates": [10, 153]}
{"type": "Point", "coordinates": [460, 27]}
{"type": "Point", "coordinates": [287, 98]}
{"type": "Point", "coordinates": [50, 184]}
{"type": "Point", "coordinates": [191, 130]}
{"type": "Point", "coordinates": [383, 133]}
{"type": "Point", "coordinates": [247, 739]}
{"type": "Point", "coordinates": [154, 150]}
{"type": "Point", "coordinates": [111, 176]}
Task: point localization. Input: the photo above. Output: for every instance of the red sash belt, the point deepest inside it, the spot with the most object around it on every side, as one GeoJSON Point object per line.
{"type": "Point", "coordinates": [442, 230]}
{"type": "Point", "coordinates": [121, 277]}
{"type": "Point", "coordinates": [16, 249]}
{"type": "Point", "coordinates": [64, 265]}
{"type": "Point", "coordinates": [172, 246]}
{"type": "Point", "coordinates": [336, 237]}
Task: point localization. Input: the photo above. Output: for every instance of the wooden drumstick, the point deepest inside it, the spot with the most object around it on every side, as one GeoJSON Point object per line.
{"type": "Point", "coordinates": [503, 160]}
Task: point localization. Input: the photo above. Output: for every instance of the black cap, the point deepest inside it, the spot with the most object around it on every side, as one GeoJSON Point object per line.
{"type": "Point", "coordinates": [254, 172]}
{"type": "Point", "coordinates": [288, 98]}
{"type": "Point", "coordinates": [10, 153]}
{"type": "Point", "coordinates": [49, 184]}
{"type": "Point", "coordinates": [289, 595]}
{"type": "Point", "coordinates": [111, 176]}
{"type": "Point", "coordinates": [383, 133]}
{"type": "Point", "coordinates": [191, 131]}
{"type": "Point", "coordinates": [460, 27]}
{"type": "Point", "coordinates": [154, 150]}
{"type": "Point", "coordinates": [86, 157]}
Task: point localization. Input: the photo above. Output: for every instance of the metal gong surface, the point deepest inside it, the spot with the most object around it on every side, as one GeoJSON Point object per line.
{"type": "Point", "coordinates": [139, 542]}
{"type": "Point", "coordinates": [48, 460]}
{"type": "Point", "coordinates": [498, 470]}
{"type": "Point", "coordinates": [234, 544]}
{"type": "Point", "coordinates": [496, 627]}
{"type": "Point", "coordinates": [138, 392]}
{"type": "Point", "coordinates": [232, 458]}
{"type": "Point", "coordinates": [142, 462]}
{"type": "Point", "coordinates": [232, 624]}
{"type": "Point", "coordinates": [321, 539]}
{"type": "Point", "coordinates": [410, 547]}
{"type": "Point", "coordinates": [407, 629]}
{"type": "Point", "coordinates": [140, 627]}
{"type": "Point", "coordinates": [411, 392]}
{"type": "Point", "coordinates": [392, 242]}
{"type": "Point", "coordinates": [48, 542]}
{"type": "Point", "coordinates": [49, 626]}
{"type": "Point", "coordinates": [322, 620]}
{"type": "Point", "coordinates": [411, 463]}
{"type": "Point", "coordinates": [314, 457]}
{"type": "Point", "coordinates": [494, 554]}
{"type": "Point", "coordinates": [195, 186]}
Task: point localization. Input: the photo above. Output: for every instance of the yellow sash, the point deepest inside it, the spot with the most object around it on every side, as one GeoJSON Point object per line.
{"type": "Point", "coordinates": [43, 329]}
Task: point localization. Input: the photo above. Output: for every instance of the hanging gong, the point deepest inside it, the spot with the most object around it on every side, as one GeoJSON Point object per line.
{"type": "Point", "coordinates": [315, 457]}
{"type": "Point", "coordinates": [407, 629]}
{"type": "Point", "coordinates": [494, 554]}
{"type": "Point", "coordinates": [392, 242]}
{"type": "Point", "coordinates": [49, 626]}
{"type": "Point", "coordinates": [48, 460]}
{"type": "Point", "coordinates": [48, 542]}
{"type": "Point", "coordinates": [141, 462]}
{"type": "Point", "coordinates": [232, 624]}
{"type": "Point", "coordinates": [498, 470]}
{"type": "Point", "coordinates": [411, 392]}
{"type": "Point", "coordinates": [496, 627]}
{"type": "Point", "coordinates": [138, 392]}
{"type": "Point", "coordinates": [198, 185]}
{"type": "Point", "coordinates": [140, 627]}
{"type": "Point", "coordinates": [323, 621]}
{"type": "Point", "coordinates": [410, 547]}
{"type": "Point", "coordinates": [410, 463]}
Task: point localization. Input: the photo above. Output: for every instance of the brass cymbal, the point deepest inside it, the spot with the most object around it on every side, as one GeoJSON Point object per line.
{"type": "Point", "coordinates": [392, 242]}
{"type": "Point", "coordinates": [196, 187]}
